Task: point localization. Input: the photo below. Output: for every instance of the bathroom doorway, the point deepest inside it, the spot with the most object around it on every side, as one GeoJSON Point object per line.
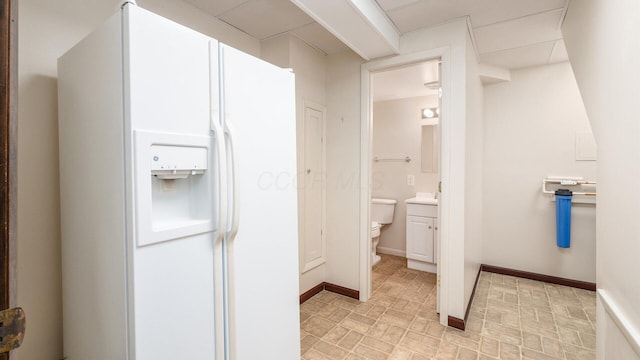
{"type": "Point", "coordinates": [403, 159]}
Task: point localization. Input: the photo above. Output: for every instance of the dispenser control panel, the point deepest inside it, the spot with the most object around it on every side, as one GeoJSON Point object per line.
{"type": "Point", "coordinates": [174, 162]}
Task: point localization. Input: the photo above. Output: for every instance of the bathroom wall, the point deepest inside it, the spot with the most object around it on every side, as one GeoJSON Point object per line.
{"type": "Point", "coordinates": [530, 128]}
{"type": "Point", "coordinates": [601, 40]}
{"type": "Point", "coordinates": [397, 133]}
{"type": "Point", "coordinates": [309, 66]}
{"type": "Point", "coordinates": [48, 28]}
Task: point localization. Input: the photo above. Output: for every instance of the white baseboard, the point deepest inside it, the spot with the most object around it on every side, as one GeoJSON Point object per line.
{"type": "Point", "coordinates": [620, 319]}
{"type": "Point", "coordinates": [390, 251]}
{"type": "Point", "coordinates": [422, 266]}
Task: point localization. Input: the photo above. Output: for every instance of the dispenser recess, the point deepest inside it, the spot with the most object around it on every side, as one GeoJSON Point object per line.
{"type": "Point", "coordinates": [171, 182]}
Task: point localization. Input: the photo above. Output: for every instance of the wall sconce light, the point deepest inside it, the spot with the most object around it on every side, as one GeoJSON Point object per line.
{"type": "Point", "coordinates": [430, 113]}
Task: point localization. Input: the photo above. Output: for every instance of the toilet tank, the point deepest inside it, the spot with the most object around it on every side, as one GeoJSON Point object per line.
{"type": "Point", "coordinates": [382, 210]}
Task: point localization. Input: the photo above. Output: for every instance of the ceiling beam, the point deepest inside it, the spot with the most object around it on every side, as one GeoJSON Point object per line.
{"type": "Point", "coordinates": [360, 24]}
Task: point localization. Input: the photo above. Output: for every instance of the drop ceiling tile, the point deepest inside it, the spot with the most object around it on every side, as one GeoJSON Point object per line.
{"type": "Point", "coordinates": [559, 53]}
{"type": "Point", "coordinates": [532, 55]}
{"type": "Point", "coordinates": [216, 7]}
{"type": "Point", "coordinates": [264, 18]}
{"type": "Point", "coordinates": [424, 13]}
{"type": "Point", "coordinates": [314, 34]}
{"type": "Point", "coordinates": [487, 12]}
{"type": "Point", "coordinates": [519, 32]}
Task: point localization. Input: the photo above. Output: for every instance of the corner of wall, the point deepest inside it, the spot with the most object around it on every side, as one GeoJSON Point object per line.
{"type": "Point", "coordinates": [473, 242]}
{"type": "Point", "coordinates": [277, 50]}
{"type": "Point", "coordinates": [343, 169]}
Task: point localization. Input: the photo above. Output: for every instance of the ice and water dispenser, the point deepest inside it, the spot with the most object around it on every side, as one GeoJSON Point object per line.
{"type": "Point", "coordinates": [173, 186]}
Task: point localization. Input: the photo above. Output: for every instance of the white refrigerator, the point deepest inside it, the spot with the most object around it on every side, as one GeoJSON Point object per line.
{"type": "Point", "coordinates": [178, 197]}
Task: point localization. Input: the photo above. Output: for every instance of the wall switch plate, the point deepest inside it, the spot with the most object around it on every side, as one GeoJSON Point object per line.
{"type": "Point", "coordinates": [411, 180]}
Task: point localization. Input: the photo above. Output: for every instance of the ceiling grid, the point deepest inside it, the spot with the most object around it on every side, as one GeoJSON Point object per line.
{"type": "Point", "coordinates": [506, 33]}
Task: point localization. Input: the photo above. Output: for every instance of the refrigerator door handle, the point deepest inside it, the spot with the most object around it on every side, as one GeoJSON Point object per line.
{"type": "Point", "coordinates": [235, 193]}
{"type": "Point", "coordinates": [221, 188]}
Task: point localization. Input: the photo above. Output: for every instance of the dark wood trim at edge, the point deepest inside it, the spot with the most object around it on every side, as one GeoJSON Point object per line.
{"type": "Point", "coordinates": [454, 322]}
{"type": "Point", "coordinates": [311, 292]}
{"type": "Point", "coordinates": [354, 294]}
{"type": "Point", "coordinates": [460, 324]}
{"type": "Point", "coordinates": [539, 277]}
{"type": "Point", "coordinates": [8, 157]}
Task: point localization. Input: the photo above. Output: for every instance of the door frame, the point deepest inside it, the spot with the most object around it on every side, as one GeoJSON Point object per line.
{"type": "Point", "coordinates": [8, 146]}
{"type": "Point", "coordinates": [366, 159]}
{"type": "Point", "coordinates": [304, 267]}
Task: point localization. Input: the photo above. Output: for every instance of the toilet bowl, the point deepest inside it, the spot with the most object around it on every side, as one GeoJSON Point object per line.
{"type": "Point", "coordinates": [381, 215]}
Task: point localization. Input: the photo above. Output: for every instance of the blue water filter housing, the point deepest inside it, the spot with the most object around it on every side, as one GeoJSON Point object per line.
{"type": "Point", "coordinates": [563, 217]}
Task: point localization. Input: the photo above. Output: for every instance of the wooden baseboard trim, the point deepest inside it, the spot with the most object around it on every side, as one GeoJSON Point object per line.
{"type": "Point", "coordinates": [455, 323]}
{"type": "Point", "coordinates": [311, 292]}
{"type": "Point", "coordinates": [354, 294]}
{"type": "Point", "coordinates": [539, 277]}
{"type": "Point", "coordinates": [460, 324]}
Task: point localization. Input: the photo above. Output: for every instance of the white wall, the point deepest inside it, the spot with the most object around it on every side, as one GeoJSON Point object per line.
{"type": "Point", "coordinates": [47, 29]}
{"type": "Point", "coordinates": [601, 40]}
{"type": "Point", "coordinates": [530, 127]}
{"type": "Point", "coordinates": [397, 132]}
{"type": "Point", "coordinates": [343, 169]}
{"type": "Point", "coordinates": [309, 66]}
{"type": "Point", "coordinates": [474, 147]}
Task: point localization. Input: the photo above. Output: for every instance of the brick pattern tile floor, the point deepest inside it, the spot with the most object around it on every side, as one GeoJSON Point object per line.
{"type": "Point", "coordinates": [510, 318]}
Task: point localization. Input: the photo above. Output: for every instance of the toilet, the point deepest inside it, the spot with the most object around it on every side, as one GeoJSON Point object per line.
{"type": "Point", "coordinates": [381, 215]}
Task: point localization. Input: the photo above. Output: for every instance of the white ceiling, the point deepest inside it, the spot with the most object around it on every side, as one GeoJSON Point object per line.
{"type": "Point", "coordinates": [508, 33]}
{"type": "Point", "coordinates": [263, 19]}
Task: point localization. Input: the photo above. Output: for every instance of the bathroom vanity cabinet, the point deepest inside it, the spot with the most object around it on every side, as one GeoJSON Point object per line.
{"type": "Point", "coordinates": [421, 235]}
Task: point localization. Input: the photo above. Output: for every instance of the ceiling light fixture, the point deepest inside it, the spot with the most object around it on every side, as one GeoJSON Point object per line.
{"type": "Point", "coordinates": [430, 113]}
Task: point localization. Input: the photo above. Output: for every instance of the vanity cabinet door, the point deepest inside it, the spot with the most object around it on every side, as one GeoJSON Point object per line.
{"type": "Point", "coordinates": [420, 235]}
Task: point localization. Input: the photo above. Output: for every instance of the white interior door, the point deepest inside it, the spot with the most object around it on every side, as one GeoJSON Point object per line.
{"type": "Point", "coordinates": [313, 241]}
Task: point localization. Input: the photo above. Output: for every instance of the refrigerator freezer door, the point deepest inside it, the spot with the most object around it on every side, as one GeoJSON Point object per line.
{"type": "Point", "coordinates": [259, 106]}
{"type": "Point", "coordinates": [172, 268]}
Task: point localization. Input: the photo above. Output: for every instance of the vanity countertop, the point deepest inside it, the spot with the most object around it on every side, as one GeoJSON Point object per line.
{"type": "Point", "coordinates": [422, 200]}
